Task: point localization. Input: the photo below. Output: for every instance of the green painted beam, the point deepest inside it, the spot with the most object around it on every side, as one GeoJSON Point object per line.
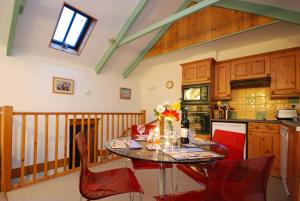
{"type": "Point", "coordinates": [140, 57]}
{"type": "Point", "coordinates": [13, 26]}
{"type": "Point", "coordinates": [263, 10]}
{"type": "Point", "coordinates": [169, 20]}
{"type": "Point", "coordinates": [120, 35]}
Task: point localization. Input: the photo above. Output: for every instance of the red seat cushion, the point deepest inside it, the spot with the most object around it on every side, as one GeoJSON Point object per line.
{"type": "Point", "coordinates": [234, 141]}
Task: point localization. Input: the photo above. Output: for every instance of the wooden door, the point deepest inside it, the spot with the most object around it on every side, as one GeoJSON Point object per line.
{"type": "Point", "coordinates": [264, 144]}
{"type": "Point", "coordinates": [188, 74]}
{"type": "Point", "coordinates": [285, 73]}
{"type": "Point", "coordinates": [222, 81]}
{"type": "Point", "coordinates": [259, 67]}
{"type": "Point", "coordinates": [239, 69]}
{"type": "Point", "coordinates": [197, 72]}
{"type": "Point", "coordinates": [263, 140]}
{"type": "Point", "coordinates": [203, 72]}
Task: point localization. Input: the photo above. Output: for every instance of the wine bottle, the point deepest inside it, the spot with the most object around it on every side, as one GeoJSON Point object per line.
{"type": "Point", "coordinates": [185, 124]}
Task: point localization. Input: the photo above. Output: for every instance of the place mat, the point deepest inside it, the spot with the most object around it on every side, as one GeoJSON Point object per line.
{"type": "Point", "coordinates": [190, 153]}
{"type": "Point", "coordinates": [126, 144]}
{"type": "Point", "coordinates": [199, 141]}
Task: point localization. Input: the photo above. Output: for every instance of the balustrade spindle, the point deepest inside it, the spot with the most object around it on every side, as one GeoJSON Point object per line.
{"type": "Point", "coordinates": [46, 145]}
{"type": "Point", "coordinates": [35, 147]}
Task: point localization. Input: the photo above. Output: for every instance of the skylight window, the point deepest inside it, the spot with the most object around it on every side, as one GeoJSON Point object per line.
{"type": "Point", "coordinates": [72, 30]}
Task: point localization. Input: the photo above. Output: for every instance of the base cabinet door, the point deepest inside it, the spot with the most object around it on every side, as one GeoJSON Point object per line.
{"type": "Point", "coordinates": [263, 140]}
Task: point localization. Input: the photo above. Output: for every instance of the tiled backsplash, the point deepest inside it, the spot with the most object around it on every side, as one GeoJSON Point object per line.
{"type": "Point", "coordinates": [255, 103]}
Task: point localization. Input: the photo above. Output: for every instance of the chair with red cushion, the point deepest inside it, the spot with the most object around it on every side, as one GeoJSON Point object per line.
{"type": "Point", "coordinates": [235, 149]}
{"type": "Point", "coordinates": [97, 185]}
{"type": "Point", "coordinates": [231, 180]}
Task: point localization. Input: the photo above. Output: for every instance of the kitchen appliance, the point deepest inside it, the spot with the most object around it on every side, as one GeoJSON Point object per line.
{"type": "Point", "coordinates": [250, 83]}
{"type": "Point", "coordinates": [234, 127]}
{"type": "Point", "coordinates": [286, 114]}
{"type": "Point", "coordinates": [284, 137]}
{"type": "Point", "coordinates": [196, 94]}
{"type": "Point", "coordinates": [199, 118]}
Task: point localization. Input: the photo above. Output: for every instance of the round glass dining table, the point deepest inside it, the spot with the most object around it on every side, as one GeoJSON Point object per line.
{"type": "Point", "coordinates": [160, 156]}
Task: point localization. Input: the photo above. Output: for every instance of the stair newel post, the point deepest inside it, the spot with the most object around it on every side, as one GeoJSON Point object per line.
{"type": "Point", "coordinates": [6, 147]}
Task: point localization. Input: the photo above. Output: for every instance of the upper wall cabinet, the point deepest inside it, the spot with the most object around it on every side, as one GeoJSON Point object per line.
{"type": "Point", "coordinates": [222, 81]}
{"type": "Point", "coordinates": [197, 72]}
{"type": "Point", "coordinates": [250, 67]}
{"type": "Point", "coordinates": [285, 72]}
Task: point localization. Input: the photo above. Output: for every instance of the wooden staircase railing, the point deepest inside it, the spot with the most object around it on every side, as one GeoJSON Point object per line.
{"type": "Point", "coordinates": [35, 146]}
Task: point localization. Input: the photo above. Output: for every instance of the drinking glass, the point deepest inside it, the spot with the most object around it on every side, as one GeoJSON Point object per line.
{"type": "Point", "coordinates": [192, 134]}
{"type": "Point", "coordinates": [141, 129]}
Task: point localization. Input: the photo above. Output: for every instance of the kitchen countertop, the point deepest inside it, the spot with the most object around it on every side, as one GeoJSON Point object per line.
{"type": "Point", "coordinates": [292, 124]}
{"type": "Point", "coordinates": [296, 125]}
{"type": "Point", "coordinates": [247, 121]}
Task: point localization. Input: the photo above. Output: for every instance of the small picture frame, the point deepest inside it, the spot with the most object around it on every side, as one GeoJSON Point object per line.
{"type": "Point", "coordinates": [125, 93]}
{"type": "Point", "coordinates": [63, 86]}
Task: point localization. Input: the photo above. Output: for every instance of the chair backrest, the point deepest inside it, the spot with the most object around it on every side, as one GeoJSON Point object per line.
{"type": "Point", "coordinates": [234, 141]}
{"type": "Point", "coordinates": [82, 147]}
{"type": "Point", "coordinates": [239, 180]}
{"type": "Point", "coordinates": [134, 131]}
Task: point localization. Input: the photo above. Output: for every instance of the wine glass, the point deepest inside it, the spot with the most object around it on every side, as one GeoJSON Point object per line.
{"type": "Point", "coordinates": [141, 129]}
{"type": "Point", "coordinates": [192, 134]}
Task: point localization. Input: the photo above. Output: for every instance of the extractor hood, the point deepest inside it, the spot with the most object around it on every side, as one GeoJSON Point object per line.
{"type": "Point", "coordinates": [251, 83]}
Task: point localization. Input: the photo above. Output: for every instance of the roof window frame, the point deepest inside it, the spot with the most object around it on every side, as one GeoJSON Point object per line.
{"type": "Point", "coordinates": [83, 36]}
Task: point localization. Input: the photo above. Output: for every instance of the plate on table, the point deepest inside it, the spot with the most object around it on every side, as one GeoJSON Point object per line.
{"type": "Point", "coordinates": [132, 144]}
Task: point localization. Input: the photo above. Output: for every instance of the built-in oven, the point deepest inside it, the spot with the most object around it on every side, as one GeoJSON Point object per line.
{"type": "Point", "coordinates": [195, 94]}
{"type": "Point", "coordinates": [199, 118]}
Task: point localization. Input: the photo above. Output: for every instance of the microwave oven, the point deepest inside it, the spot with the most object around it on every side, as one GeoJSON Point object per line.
{"type": "Point", "coordinates": [195, 94]}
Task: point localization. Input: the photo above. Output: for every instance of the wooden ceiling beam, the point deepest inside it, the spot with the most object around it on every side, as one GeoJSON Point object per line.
{"type": "Point", "coordinates": [140, 57]}
{"type": "Point", "coordinates": [120, 35]}
{"type": "Point", "coordinates": [168, 20]}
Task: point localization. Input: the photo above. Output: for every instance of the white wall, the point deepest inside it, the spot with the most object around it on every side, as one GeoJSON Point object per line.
{"type": "Point", "coordinates": [26, 84]}
{"type": "Point", "coordinates": [156, 71]}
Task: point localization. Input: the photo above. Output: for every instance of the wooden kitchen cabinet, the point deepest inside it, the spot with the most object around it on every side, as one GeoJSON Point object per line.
{"type": "Point", "coordinates": [197, 72]}
{"type": "Point", "coordinates": [285, 73]}
{"type": "Point", "coordinates": [222, 89]}
{"type": "Point", "coordinates": [250, 67]}
{"type": "Point", "coordinates": [264, 139]}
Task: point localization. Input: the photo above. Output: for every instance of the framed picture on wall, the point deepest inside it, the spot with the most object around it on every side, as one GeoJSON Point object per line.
{"type": "Point", "coordinates": [125, 93]}
{"type": "Point", "coordinates": [63, 85]}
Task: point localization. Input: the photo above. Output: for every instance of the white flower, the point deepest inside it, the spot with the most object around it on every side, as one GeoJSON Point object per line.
{"type": "Point", "coordinates": [160, 108]}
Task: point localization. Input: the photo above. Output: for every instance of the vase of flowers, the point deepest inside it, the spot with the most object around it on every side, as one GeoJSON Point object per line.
{"type": "Point", "coordinates": [167, 113]}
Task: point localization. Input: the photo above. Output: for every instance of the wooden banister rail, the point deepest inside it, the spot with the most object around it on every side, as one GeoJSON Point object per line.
{"type": "Point", "coordinates": [46, 142]}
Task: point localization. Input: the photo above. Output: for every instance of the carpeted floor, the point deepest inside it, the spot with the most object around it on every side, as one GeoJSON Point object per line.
{"type": "Point", "coordinates": [66, 188]}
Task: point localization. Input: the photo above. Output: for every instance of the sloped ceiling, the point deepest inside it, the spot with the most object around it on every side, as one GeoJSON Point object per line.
{"type": "Point", "coordinates": [37, 22]}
